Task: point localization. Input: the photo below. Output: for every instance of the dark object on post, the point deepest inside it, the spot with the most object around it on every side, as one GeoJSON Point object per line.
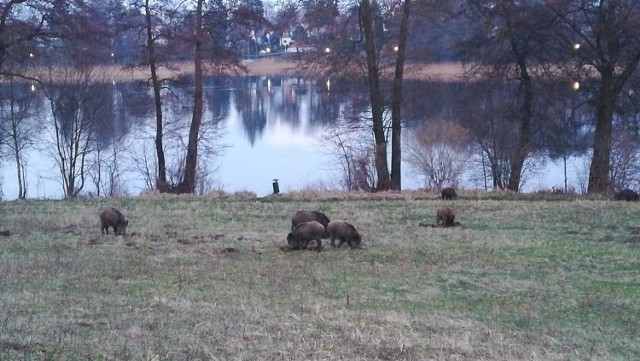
{"type": "Point", "coordinates": [276, 188]}
{"type": "Point", "coordinates": [449, 193]}
{"type": "Point", "coordinates": [626, 195]}
{"type": "Point", "coordinates": [111, 217]}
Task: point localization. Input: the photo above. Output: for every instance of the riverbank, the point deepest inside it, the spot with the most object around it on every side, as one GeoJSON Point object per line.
{"type": "Point", "coordinates": [446, 72]}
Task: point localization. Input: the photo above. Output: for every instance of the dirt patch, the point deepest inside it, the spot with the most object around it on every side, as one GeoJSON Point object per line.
{"type": "Point", "coordinates": [431, 225]}
{"type": "Point", "coordinates": [633, 241]}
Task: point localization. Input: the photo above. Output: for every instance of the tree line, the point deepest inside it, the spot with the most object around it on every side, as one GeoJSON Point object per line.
{"type": "Point", "coordinates": [554, 78]}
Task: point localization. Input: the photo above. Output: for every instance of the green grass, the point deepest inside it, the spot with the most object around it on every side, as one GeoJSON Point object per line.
{"type": "Point", "coordinates": [204, 278]}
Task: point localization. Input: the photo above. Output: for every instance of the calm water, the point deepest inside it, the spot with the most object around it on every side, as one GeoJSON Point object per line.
{"type": "Point", "coordinates": [256, 129]}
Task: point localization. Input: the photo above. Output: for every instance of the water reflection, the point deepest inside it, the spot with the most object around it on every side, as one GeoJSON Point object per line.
{"type": "Point", "coordinates": [255, 129]}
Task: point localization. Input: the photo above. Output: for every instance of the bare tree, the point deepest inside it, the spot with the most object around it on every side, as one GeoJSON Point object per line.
{"type": "Point", "coordinates": [105, 169]}
{"type": "Point", "coordinates": [396, 99]}
{"type": "Point", "coordinates": [508, 48]}
{"type": "Point", "coordinates": [350, 146]}
{"type": "Point", "coordinates": [17, 131]}
{"type": "Point", "coordinates": [188, 183]}
{"type": "Point", "coordinates": [605, 38]}
{"type": "Point", "coordinates": [625, 160]}
{"type": "Point", "coordinates": [356, 44]}
{"type": "Point", "coordinates": [141, 160]}
{"type": "Point", "coordinates": [153, 61]}
{"type": "Point", "coordinates": [439, 152]}
{"type": "Point", "coordinates": [20, 24]}
{"type": "Point", "coordinates": [76, 96]}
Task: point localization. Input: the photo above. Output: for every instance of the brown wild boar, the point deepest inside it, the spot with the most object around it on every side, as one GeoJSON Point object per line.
{"type": "Point", "coordinates": [308, 216]}
{"type": "Point", "coordinates": [111, 217]}
{"type": "Point", "coordinates": [446, 216]}
{"type": "Point", "coordinates": [345, 232]}
{"type": "Point", "coordinates": [449, 193]}
{"type": "Point", "coordinates": [305, 232]}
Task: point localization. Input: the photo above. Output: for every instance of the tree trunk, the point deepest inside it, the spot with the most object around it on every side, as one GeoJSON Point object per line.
{"type": "Point", "coordinates": [188, 184]}
{"type": "Point", "coordinates": [526, 115]}
{"type": "Point", "coordinates": [373, 77]}
{"type": "Point", "coordinates": [396, 101]}
{"type": "Point", "coordinates": [161, 179]}
{"type": "Point", "coordinates": [599, 181]}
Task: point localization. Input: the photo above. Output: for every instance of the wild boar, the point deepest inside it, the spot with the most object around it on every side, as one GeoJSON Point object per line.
{"type": "Point", "coordinates": [446, 216]}
{"type": "Point", "coordinates": [449, 194]}
{"type": "Point", "coordinates": [626, 195]}
{"type": "Point", "coordinates": [305, 232]}
{"type": "Point", "coordinates": [345, 232]}
{"type": "Point", "coordinates": [308, 216]}
{"type": "Point", "coordinates": [111, 217]}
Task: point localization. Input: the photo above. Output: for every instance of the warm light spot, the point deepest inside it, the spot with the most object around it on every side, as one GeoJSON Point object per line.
{"type": "Point", "coordinates": [576, 85]}
{"type": "Point", "coordinates": [395, 48]}
{"type": "Point", "coordinates": [327, 50]}
{"type": "Point", "coordinates": [576, 46]}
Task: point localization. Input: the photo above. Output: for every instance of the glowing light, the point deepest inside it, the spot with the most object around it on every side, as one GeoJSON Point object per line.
{"type": "Point", "coordinates": [268, 50]}
{"type": "Point", "coordinates": [576, 46]}
{"type": "Point", "coordinates": [327, 50]}
{"type": "Point", "coordinates": [33, 87]}
{"type": "Point", "coordinates": [395, 48]}
{"type": "Point", "coordinates": [269, 85]}
{"type": "Point", "coordinates": [576, 85]}
{"type": "Point", "coordinates": [328, 85]}
{"type": "Point", "coordinates": [31, 55]}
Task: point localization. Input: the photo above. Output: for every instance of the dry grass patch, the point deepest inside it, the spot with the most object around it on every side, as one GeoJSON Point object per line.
{"type": "Point", "coordinates": [204, 278]}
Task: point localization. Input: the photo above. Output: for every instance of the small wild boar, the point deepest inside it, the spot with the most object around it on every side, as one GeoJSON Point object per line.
{"type": "Point", "coordinates": [305, 232]}
{"type": "Point", "coordinates": [345, 232]}
{"type": "Point", "coordinates": [626, 195]}
{"type": "Point", "coordinates": [449, 193]}
{"type": "Point", "coordinates": [111, 217]}
{"type": "Point", "coordinates": [446, 216]}
{"type": "Point", "coordinates": [308, 216]}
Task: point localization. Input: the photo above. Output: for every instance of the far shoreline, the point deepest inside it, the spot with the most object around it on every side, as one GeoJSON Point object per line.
{"type": "Point", "coordinates": [265, 66]}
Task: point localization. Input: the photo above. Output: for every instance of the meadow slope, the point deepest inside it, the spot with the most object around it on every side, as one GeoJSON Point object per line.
{"type": "Point", "coordinates": [204, 278]}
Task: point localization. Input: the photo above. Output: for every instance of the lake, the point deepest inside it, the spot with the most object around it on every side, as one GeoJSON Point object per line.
{"type": "Point", "coordinates": [256, 129]}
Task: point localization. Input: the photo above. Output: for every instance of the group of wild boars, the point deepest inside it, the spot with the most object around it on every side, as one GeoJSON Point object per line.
{"type": "Point", "coordinates": [111, 217]}
{"type": "Point", "coordinates": [307, 226]}
{"type": "Point", "coordinates": [308, 216]}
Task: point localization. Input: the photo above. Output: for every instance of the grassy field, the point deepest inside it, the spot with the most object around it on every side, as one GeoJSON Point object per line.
{"type": "Point", "coordinates": [204, 278]}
